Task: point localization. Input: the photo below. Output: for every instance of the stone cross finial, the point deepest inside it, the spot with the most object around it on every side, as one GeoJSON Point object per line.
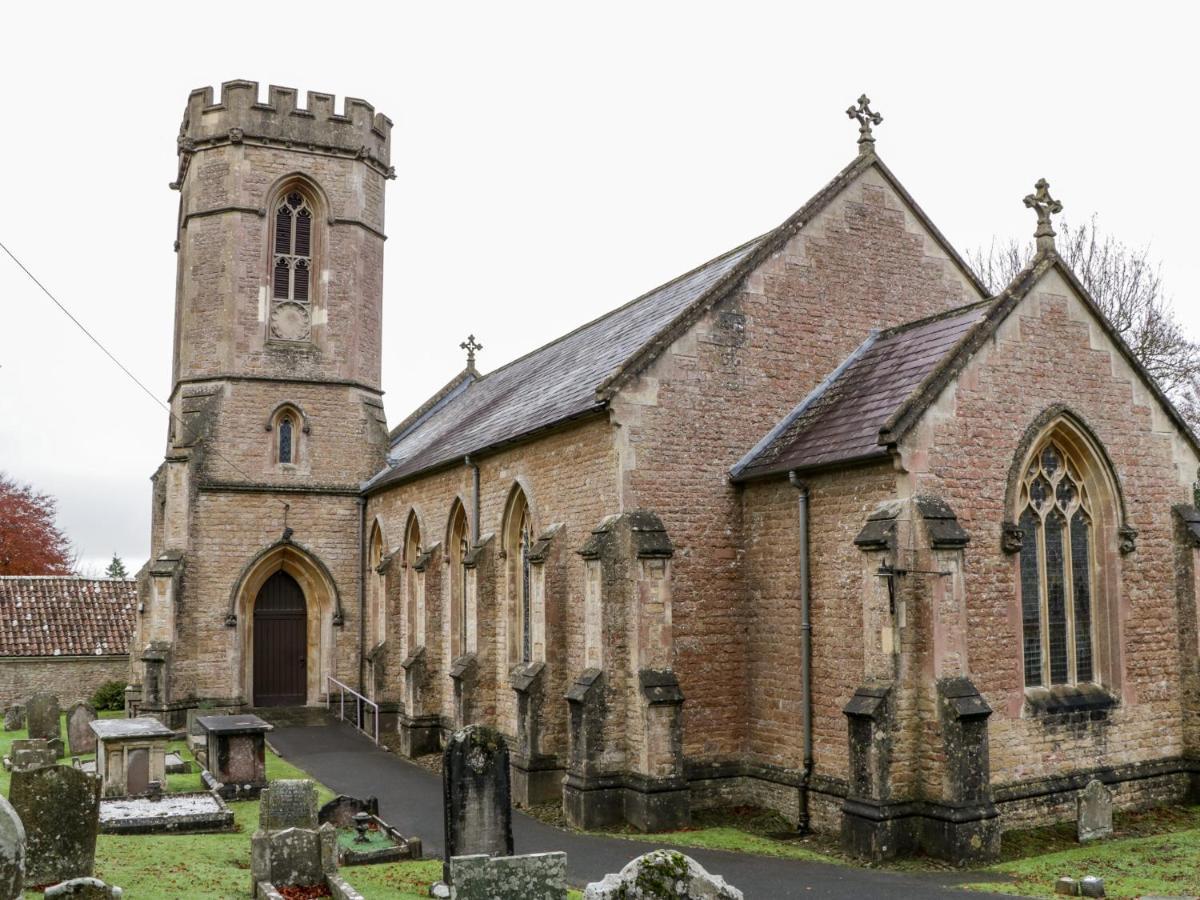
{"type": "Point", "coordinates": [471, 345]}
{"type": "Point", "coordinates": [1045, 206]}
{"type": "Point", "coordinates": [866, 118]}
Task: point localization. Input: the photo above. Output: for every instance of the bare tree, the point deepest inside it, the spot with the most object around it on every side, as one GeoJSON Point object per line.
{"type": "Point", "coordinates": [1127, 286]}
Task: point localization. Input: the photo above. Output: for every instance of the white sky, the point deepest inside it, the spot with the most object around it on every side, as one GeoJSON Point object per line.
{"type": "Point", "coordinates": [553, 161]}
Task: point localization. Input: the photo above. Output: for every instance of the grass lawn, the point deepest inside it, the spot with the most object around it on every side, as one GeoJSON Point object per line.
{"type": "Point", "coordinates": [217, 866]}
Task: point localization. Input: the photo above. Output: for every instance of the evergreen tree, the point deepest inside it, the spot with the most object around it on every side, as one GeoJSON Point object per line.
{"type": "Point", "coordinates": [116, 568]}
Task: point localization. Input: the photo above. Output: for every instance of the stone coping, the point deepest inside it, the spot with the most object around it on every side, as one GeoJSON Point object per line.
{"type": "Point", "coordinates": [130, 729]}
{"type": "Point", "coordinates": [243, 723]}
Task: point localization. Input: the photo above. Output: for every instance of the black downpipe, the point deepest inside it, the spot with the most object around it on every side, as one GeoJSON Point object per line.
{"type": "Point", "coordinates": [803, 821]}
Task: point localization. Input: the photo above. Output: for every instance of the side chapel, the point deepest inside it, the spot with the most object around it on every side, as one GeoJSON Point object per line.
{"type": "Point", "coordinates": [821, 525]}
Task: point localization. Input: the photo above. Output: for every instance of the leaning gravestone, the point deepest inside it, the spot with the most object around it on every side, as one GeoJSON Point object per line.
{"type": "Point", "coordinates": [476, 796]}
{"type": "Point", "coordinates": [43, 715]}
{"type": "Point", "coordinates": [14, 717]}
{"type": "Point", "coordinates": [80, 736]}
{"type": "Point", "coordinates": [288, 803]}
{"type": "Point", "coordinates": [662, 875]}
{"type": "Point", "coordinates": [60, 809]}
{"type": "Point", "coordinates": [84, 889]}
{"type": "Point", "coordinates": [1095, 812]}
{"type": "Point", "coordinates": [12, 852]}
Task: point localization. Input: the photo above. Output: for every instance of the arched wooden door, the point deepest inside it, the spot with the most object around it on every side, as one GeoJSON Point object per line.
{"type": "Point", "coordinates": [280, 643]}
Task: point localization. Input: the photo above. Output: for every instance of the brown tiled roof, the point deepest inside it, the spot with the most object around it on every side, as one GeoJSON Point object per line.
{"type": "Point", "coordinates": [59, 616]}
{"type": "Point", "coordinates": [840, 421]}
{"type": "Point", "coordinates": [578, 373]}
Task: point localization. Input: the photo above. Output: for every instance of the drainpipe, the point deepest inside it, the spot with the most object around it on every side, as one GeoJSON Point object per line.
{"type": "Point", "coordinates": [467, 461]}
{"type": "Point", "coordinates": [802, 823]}
{"type": "Point", "coordinates": [362, 597]}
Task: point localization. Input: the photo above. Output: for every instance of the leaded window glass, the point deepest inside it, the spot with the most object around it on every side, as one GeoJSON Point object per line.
{"type": "Point", "coordinates": [526, 601]}
{"type": "Point", "coordinates": [1055, 571]}
{"type": "Point", "coordinates": [292, 269]}
{"type": "Point", "coordinates": [285, 439]}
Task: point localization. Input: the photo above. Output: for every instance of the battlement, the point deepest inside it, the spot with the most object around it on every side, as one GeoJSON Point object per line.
{"type": "Point", "coordinates": [238, 116]}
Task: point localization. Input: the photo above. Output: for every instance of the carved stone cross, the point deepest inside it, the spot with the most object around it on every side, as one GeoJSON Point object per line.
{"type": "Point", "coordinates": [866, 119]}
{"type": "Point", "coordinates": [1045, 206]}
{"type": "Point", "coordinates": [471, 345]}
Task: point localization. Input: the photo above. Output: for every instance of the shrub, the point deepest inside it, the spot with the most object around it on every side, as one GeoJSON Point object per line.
{"type": "Point", "coordinates": [110, 695]}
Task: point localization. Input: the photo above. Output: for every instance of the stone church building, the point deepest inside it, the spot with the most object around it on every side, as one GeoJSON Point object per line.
{"type": "Point", "coordinates": [820, 525]}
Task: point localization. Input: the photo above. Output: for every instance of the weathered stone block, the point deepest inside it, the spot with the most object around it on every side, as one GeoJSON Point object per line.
{"type": "Point", "coordinates": [536, 876]}
{"type": "Point", "coordinates": [85, 889]}
{"type": "Point", "coordinates": [662, 875]}
{"type": "Point", "coordinates": [60, 809]}
{"type": "Point", "coordinates": [288, 803]}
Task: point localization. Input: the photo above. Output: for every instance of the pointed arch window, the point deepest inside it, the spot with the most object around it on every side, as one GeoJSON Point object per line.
{"type": "Point", "coordinates": [414, 585]}
{"type": "Point", "coordinates": [292, 269]}
{"type": "Point", "coordinates": [286, 428]}
{"type": "Point", "coordinates": [1057, 564]}
{"type": "Point", "coordinates": [460, 549]}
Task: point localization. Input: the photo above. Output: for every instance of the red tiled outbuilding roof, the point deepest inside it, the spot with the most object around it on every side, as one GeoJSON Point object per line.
{"type": "Point", "coordinates": [66, 616]}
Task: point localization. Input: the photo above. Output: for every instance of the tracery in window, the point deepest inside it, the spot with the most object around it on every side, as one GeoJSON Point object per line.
{"type": "Point", "coordinates": [292, 268]}
{"type": "Point", "coordinates": [1056, 570]}
{"type": "Point", "coordinates": [517, 546]}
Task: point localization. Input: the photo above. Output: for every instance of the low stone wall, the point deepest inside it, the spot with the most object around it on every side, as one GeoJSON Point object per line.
{"type": "Point", "coordinates": [1053, 800]}
{"type": "Point", "coordinates": [70, 678]}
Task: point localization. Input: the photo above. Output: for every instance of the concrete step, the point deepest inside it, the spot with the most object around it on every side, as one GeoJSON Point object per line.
{"type": "Point", "coordinates": [282, 716]}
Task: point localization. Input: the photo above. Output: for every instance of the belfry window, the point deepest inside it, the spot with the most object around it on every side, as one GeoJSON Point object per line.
{"type": "Point", "coordinates": [1056, 570]}
{"type": "Point", "coordinates": [292, 268]}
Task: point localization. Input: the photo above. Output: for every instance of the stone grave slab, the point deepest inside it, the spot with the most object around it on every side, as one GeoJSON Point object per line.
{"type": "Point", "coordinates": [80, 737]}
{"type": "Point", "coordinates": [288, 803]}
{"type": "Point", "coordinates": [666, 874]}
{"type": "Point", "coordinates": [1094, 812]}
{"type": "Point", "coordinates": [235, 754]}
{"type": "Point", "coordinates": [42, 716]}
{"type": "Point", "coordinates": [60, 809]}
{"type": "Point", "coordinates": [202, 811]}
{"type": "Point", "coordinates": [535, 876]}
{"type": "Point", "coordinates": [131, 754]}
{"type": "Point", "coordinates": [12, 851]}
{"type": "Point", "coordinates": [476, 795]}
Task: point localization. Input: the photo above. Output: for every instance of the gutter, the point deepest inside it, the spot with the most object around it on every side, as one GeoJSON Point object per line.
{"type": "Point", "coordinates": [803, 819]}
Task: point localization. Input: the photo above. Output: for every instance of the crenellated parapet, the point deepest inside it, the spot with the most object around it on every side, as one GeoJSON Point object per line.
{"type": "Point", "coordinates": [238, 117]}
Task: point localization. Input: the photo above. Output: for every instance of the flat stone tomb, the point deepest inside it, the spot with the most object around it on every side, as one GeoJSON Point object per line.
{"type": "Point", "coordinates": [235, 753]}
{"type": "Point", "coordinates": [130, 754]}
{"type": "Point", "coordinates": [202, 811]}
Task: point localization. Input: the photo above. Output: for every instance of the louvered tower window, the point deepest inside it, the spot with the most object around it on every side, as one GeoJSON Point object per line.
{"type": "Point", "coordinates": [292, 273]}
{"type": "Point", "coordinates": [1056, 571]}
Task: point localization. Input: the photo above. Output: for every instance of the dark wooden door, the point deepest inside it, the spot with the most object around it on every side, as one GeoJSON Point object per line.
{"type": "Point", "coordinates": [280, 643]}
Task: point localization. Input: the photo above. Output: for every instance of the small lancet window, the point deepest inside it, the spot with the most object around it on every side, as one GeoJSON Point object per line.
{"type": "Point", "coordinates": [526, 600]}
{"type": "Point", "coordinates": [285, 439]}
{"type": "Point", "coordinates": [1055, 571]}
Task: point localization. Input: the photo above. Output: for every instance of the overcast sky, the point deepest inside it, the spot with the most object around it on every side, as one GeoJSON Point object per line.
{"type": "Point", "coordinates": [553, 161]}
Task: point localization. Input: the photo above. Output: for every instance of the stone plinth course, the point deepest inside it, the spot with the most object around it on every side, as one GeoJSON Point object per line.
{"type": "Point", "coordinates": [131, 755]}
{"type": "Point", "coordinates": [60, 809]}
{"type": "Point", "coordinates": [662, 875]}
{"type": "Point", "coordinates": [80, 737]}
{"type": "Point", "coordinates": [43, 714]}
{"type": "Point", "coordinates": [234, 754]}
{"type": "Point", "coordinates": [536, 876]}
{"type": "Point", "coordinates": [12, 852]}
{"type": "Point", "coordinates": [476, 795]}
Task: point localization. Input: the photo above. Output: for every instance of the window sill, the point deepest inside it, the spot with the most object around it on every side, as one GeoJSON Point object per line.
{"type": "Point", "coordinates": [1085, 701]}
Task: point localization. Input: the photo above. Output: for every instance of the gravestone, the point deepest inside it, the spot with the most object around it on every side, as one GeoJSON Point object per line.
{"type": "Point", "coordinates": [60, 809]}
{"type": "Point", "coordinates": [84, 889]}
{"type": "Point", "coordinates": [288, 803]}
{"type": "Point", "coordinates": [1095, 812]}
{"type": "Point", "coordinates": [536, 876]}
{"type": "Point", "coordinates": [662, 875]}
{"type": "Point", "coordinates": [80, 737]}
{"type": "Point", "coordinates": [475, 794]}
{"type": "Point", "coordinates": [12, 852]}
{"type": "Point", "coordinates": [43, 714]}
{"type": "Point", "coordinates": [293, 857]}
{"type": "Point", "coordinates": [14, 717]}
{"type": "Point", "coordinates": [30, 753]}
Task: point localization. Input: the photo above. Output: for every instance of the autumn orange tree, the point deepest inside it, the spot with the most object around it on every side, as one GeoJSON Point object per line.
{"type": "Point", "coordinates": [30, 542]}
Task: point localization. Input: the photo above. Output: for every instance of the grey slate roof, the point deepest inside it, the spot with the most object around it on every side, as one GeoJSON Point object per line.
{"type": "Point", "coordinates": [552, 384]}
{"type": "Point", "coordinates": [840, 421]}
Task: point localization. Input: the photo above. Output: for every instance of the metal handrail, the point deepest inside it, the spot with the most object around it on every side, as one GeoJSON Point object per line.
{"type": "Point", "coordinates": [359, 701]}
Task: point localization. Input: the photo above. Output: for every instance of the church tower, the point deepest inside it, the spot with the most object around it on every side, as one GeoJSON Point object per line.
{"type": "Point", "coordinates": [253, 589]}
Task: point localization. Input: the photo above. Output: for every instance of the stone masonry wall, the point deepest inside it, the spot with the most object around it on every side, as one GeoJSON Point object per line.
{"type": "Point", "coordinates": [865, 262]}
{"type": "Point", "coordinates": [1048, 352]}
{"type": "Point", "coordinates": [70, 678]}
{"type": "Point", "coordinates": [568, 477]}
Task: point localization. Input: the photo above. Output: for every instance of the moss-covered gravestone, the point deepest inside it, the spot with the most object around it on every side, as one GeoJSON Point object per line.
{"type": "Point", "coordinates": [288, 803]}
{"type": "Point", "coordinates": [60, 809]}
{"type": "Point", "coordinates": [476, 795]}
{"type": "Point", "coordinates": [662, 875]}
{"type": "Point", "coordinates": [80, 737]}
{"type": "Point", "coordinates": [12, 852]}
{"type": "Point", "coordinates": [43, 715]}
{"type": "Point", "coordinates": [14, 717]}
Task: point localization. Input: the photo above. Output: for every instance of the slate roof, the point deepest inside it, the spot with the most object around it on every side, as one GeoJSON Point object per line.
{"type": "Point", "coordinates": [577, 374]}
{"type": "Point", "coordinates": [841, 420]}
{"type": "Point", "coordinates": [66, 616]}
